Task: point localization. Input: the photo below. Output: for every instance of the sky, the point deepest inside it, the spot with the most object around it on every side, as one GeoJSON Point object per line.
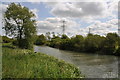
{"type": "Point", "coordinates": [100, 17]}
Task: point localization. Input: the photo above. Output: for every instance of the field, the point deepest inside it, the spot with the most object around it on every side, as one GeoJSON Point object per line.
{"type": "Point", "coordinates": [22, 63]}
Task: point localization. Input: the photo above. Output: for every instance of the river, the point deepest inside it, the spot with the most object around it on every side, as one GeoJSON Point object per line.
{"type": "Point", "coordinates": [91, 65]}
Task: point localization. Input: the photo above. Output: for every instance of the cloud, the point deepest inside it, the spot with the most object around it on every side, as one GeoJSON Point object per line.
{"type": "Point", "coordinates": [101, 28]}
{"type": "Point", "coordinates": [3, 8]}
{"type": "Point", "coordinates": [51, 4]}
{"type": "Point", "coordinates": [113, 6]}
{"type": "Point", "coordinates": [86, 11]}
{"type": "Point", "coordinates": [69, 0]}
{"type": "Point", "coordinates": [34, 1]}
{"type": "Point", "coordinates": [91, 8]}
{"type": "Point", "coordinates": [35, 11]}
{"type": "Point", "coordinates": [113, 9]}
{"type": "Point", "coordinates": [89, 12]}
{"type": "Point", "coordinates": [66, 10]}
{"type": "Point", "coordinates": [53, 24]}
{"type": "Point", "coordinates": [79, 9]}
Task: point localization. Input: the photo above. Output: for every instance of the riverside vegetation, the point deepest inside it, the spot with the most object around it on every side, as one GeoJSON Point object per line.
{"type": "Point", "coordinates": [23, 63]}
{"type": "Point", "coordinates": [92, 43]}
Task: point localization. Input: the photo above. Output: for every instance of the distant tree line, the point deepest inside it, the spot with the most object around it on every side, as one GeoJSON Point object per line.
{"type": "Point", "coordinates": [110, 44]}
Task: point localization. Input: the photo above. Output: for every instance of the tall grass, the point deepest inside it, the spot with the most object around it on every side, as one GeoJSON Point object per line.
{"type": "Point", "coordinates": [21, 63]}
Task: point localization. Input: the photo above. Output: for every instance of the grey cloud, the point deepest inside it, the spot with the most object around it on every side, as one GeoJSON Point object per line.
{"type": "Point", "coordinates": [79, 9]}
{"type": "Point", "coordinates": [91, 8]}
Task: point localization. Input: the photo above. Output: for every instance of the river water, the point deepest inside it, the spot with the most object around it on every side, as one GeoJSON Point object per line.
{"type": "Point", "coordinates": [91, 65]}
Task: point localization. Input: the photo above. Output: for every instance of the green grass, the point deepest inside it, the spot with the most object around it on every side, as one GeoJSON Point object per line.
{"type": "Point", "coordinates": [21, 63]}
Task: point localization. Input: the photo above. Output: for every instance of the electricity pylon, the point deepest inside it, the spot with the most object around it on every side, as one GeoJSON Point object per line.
{"type": "Point", "coordinates": [89, 30]}
{"type": "Point", "coordinates": [63, 26]}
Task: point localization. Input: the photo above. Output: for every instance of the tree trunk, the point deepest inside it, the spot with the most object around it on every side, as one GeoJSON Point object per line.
{"type": "Point", "coordinates": [20, 39]}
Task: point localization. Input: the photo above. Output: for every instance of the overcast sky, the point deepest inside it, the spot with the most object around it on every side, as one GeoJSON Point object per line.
{"type": "Point", "coordinates": [101, 17]}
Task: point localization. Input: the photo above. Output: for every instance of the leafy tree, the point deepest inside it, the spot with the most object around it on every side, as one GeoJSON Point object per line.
{"type": "Point", "coordinates": [59, 42]}
{"type": "Point", "coordinates": [89, 43]}
{"type": "Point", "coordinates": [53, 35]}
{"type": "Point", "coordinates": [117, 51]}
{"type": "Point", "coordinates": [41, 40]}
{"type": "Point", "coordinates": [98, 40]}
{"type": "Point", "coordinates": [78, 42]}
{"type": "Point", "coordinates": [48, 36]}
{"type": "Point", "coordinates": [93, 43]}
{"type": "Point", "coordinates": [56, 42]}
{"type": "Point", "coordinates": [110, 43]}
{"type": "Point", "coordinates": [66, 44]}
{"type": "Point", "coordinates": [20, 23]}
{"type": "Point", "coordinates": [64, 36]}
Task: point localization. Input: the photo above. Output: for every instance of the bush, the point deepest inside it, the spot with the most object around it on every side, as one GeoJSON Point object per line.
{"type": "Point", "coordinates": [41, 40]}
{"type": "Point", "coordinates": [118, 52]}
{"type": "Point", "coordinates": [5, 39]}
{"type": "Point", "coordinates": [15, 42]}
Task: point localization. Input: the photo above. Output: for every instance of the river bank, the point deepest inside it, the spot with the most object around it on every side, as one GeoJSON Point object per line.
{"type": "Point", "coordinates": [21, 63]}
{"type": "Point", "coordinates": [92, 65]}
{"type": "Point", "coordinates": [86, 52]}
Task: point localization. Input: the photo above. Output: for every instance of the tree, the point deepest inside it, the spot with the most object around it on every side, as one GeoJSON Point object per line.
{"type": "Point", "coordinates": [54, 36]}
{"type": "Point", "coordinates": [111, 43]}
{"type": "Point", "coordinates": [41, 40]}
{"type": "Point", "coordinates": [117, 51]}
{"type": "Point", "coordinates": [20, 23]}
{"type": "Point", "coordinates": [55, 42]}
{"type": "Point", "coordinates": [48, 36]}
{"type": "Point", "coordinates": [93, 43]}
{"type": "Point", "coordinates": [64, 36]}
{"type": "Point", "coordinates": [78, 42]}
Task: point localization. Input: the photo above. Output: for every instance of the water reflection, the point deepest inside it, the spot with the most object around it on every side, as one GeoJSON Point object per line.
{"type": "Point", "coordinates": [92, 65]}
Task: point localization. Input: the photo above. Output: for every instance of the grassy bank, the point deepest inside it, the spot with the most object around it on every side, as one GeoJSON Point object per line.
{"type": "Point", "coordinates": [21, 63]}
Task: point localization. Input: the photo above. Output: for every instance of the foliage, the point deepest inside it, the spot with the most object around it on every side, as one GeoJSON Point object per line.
{"type": "Point", "coordinates": [77, 43]}
{"type": "Point", "coordinates": [55, 43]}
{"type": "Point", "coordinates": [19, 23]}
{"type": "Point", "coordinates": [0, 39]}
{"type": "Point", "coordinates": [109, 45]}
{"type": "Point", "coordinates": [93, 43]}
{"type": "Point", "coordinates": [5, 39]}
{"type": "Point", "coordinates": [64, 36]}
{"type": "Point", "coordinates": [41, 40]}
{"type": "Point", "coordinates": [117, 47]}
{"type": "Point", "coordinates": [23, 63]}
{"type": "Point", "coordinates": [48, 36]}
